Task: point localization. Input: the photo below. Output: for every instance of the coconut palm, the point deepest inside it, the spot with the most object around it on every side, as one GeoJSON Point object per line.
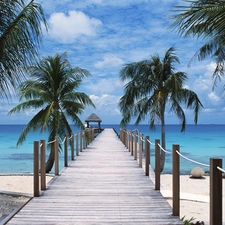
{"type": "Point", "coordinates": [20, 36]}
{"type": "Point", "coordinates": [152, 84]}
{"type": "Point", "coordinates": [204, 19]}
{"type": "Point", "coordinates": [51, 90]}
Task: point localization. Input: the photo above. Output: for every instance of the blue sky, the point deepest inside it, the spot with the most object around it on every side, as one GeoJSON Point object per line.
{"type": "Point", "coordinates": [103, 35]}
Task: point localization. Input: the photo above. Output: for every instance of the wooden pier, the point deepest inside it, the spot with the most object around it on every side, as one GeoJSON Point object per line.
{"type": "Point", "coordinates": [104, 185]}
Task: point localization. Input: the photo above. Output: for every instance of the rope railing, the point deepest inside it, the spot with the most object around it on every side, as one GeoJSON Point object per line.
{"type": "Point", "coordinates": [164, 149]}
{"type": "Point", "coordinates": [39, 154]}
{"type": "Point", "coordinates": [50, 142]}
{"type": "Point", "coordinates": [69, 138]}
{"type": "Point", "coordinates": [220, 169]}
{"type": "Point", "coordinates": [215, 169]}
{"type": "Point", "coordinates": [191, 160]}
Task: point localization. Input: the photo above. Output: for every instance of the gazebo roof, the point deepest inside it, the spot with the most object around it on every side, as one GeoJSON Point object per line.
{"type": "Point", "coordinates": [93, 118]}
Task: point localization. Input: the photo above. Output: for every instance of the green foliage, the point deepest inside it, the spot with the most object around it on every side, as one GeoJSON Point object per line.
{"type": "Point", "coordinates": [204, 19]}
{"type": "Point", "coordinates": [153, 84]}
{"type": "Point", "coordinates": [187, 222]}
{"type": "Point", "coordinates": [20, 36]}
{"type": "Point", "coordinates": [51, 91]}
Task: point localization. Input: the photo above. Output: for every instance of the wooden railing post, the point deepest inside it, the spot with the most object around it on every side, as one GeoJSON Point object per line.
{"type": "Point", "coordinates": [140, 150]}
{"type": "Point", "coordinates": [77, 139]}
{"type": "Point", "coordinates": [84, 141]}
{"type": "Point", "coordinates": [128, 140]}
{"type": "Point", "coordinates": [56, 149]}
{"type": "Point", "coordinates": [132, 143]}
{"type": "Point", "coordinates": [36, 169]}
{"type": "Point", "coordinates": [65, 152]}
{"type": "Point", "coordinates": [176, 181]}
{"type": "Point", "coordinates": [157, 165]}
{"type": "Point", "coordinates": [135, 146]}
{"type": "Point", "coordinates": [43, 170]}
{"type": "Point", "coordinates": [147, 155]}
{"type": "Point", "coordinates": [216, 195]}
{"type": "Point", "coordinates": [81, 133]}
{"type": "Point", "coordinates": [72, 146]}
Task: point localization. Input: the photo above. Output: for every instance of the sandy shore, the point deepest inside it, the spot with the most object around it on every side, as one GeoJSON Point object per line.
{"type": "Point", "coordinates": [15, 191]}
{"type": "Point", "coordinates": [194, 193]}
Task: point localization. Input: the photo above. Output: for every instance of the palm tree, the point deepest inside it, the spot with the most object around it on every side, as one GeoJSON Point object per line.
{"type": "Point", "coordinates": [20, 36]}
{"type": "Point", "coordinates": [204, 19]}
{"type": "Point", "coordinates": [52, 91]}
{"type": "Point", "coordinates": [152, 84]}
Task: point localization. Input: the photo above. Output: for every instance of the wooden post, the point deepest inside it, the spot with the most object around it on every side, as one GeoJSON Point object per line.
{"type": "Point", "coordinates": [147, 155]}
{"type": "Point", "coordinates": [43, 170]}
{"type": "Point", "coordinates": [176, 181]}
{"type": "Point", "coordinates": [157, 165]}
{"type": "Point", "coordinates": [132, 144]}
{"type": "Point", "coordinates": [140, 150]}
{"type": "Point", "coordinates": [65, 152]}
{"type": "Point", "coordinates": [56, 148]}
{"type": "Point", "coordinates": [128, 140]}
{"type": "Point", "coordinates": [216, 195]}
{"type": "Point", "coordinates": [72, 146]}
{"type": "Point", "coordinates": [36, 169]}
{"type": "Point", "coordinates": [84, 141]}
{"type": "Point", "coordinates": [81, 133]}
{"type": "Point", "coordinates": [77, 149]}
{"type": "Point", "coordinates": [135, 147]}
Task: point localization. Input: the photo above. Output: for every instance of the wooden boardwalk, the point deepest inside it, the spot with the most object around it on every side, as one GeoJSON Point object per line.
{"type": "Point", "coordinates": [104, 185]}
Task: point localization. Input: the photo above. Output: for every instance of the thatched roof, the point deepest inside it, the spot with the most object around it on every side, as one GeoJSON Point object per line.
{"type": "Point", "coordinates": [93, 118]}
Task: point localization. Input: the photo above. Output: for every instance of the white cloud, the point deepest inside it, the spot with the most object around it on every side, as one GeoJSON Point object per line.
{"type": "Point", "coordinates": [67, 28]}
{"type": "Point", "coordinates": [104, 85]}
{"type": "Point", "coordinates": [106, 104]}
{"type": "Point", "coordinates": [214, 98]}
{"type": "Point", "coordinates": [109, 61]}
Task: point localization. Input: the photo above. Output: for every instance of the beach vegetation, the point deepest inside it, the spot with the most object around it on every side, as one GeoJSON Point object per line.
{"type": "Point", "coordinates": [187, 221]}
{"type": "Point", "coordinates": [204, 19]}
{"type": "Point", "coordinates": [21, 25]}
{"type": "Point", "coordinates": [153, 84]}
{"type": "Point", "coordinates": [52, 91]}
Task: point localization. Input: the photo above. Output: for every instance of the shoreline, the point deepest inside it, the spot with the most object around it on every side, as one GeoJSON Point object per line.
{"type": "Point", "coordinates": [194, 193]}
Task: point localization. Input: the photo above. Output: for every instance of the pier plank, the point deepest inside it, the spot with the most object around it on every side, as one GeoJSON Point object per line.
{"type": "Point", "coordinates": [104, 185]}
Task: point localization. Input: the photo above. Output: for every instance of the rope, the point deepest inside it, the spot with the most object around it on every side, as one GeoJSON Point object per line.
{"type": "Point", "coordinates": [220, 169]}
{"type": "Point", "coordinates": [150, 142]}
{"type": "Point", "coordinates": [142, 139]}
{"type": "Point", "coordinates": [192, 160]}
{"type": "Point", "coordinates": [52, 141]}
{"type": "Point", "coordinates": [164, 149]}
{"type": "Point", "coordinates": [41, 145]}
{"type": "Point", "coordinates": [70, 137]}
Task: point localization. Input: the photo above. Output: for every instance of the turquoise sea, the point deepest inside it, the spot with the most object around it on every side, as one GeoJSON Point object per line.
{"type": "Point", "coordinates": [198, 142]}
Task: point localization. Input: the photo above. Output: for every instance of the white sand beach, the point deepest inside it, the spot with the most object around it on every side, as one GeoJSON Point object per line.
{"type": "Point", "coordinates": [194, 193]}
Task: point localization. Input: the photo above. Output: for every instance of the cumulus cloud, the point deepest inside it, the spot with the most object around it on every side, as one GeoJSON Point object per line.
{"type": "Point", "coordinates": [67, 28]}
{"type": "Point", "coordinates": [109, 61]}
{"type": "Point", "coordinates": [214, 98]}
{"type": "Point", "coordinates": [106, 104]}
{"type": "Point", "coordinates": [104, 85]}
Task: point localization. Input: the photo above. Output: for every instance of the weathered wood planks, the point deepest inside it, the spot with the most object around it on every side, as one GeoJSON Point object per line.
{"type": "Point", "coordinates": [104, 185]}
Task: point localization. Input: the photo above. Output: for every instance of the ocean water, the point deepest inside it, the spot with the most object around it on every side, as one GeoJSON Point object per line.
{"type": "Point", "coordinates": [198, 142]}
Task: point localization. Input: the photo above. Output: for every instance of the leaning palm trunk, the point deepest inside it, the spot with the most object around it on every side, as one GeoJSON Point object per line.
{"type": "Point", "coordinates": [163, 139]}
{"type": "Point", "coordinates": [50, 162]}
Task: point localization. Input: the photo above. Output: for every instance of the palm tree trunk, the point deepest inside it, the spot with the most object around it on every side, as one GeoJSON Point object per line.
{"type": "Point", "coordinates": [163, 139]}
{"type": "Point", "coordinates": [50, 162]}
